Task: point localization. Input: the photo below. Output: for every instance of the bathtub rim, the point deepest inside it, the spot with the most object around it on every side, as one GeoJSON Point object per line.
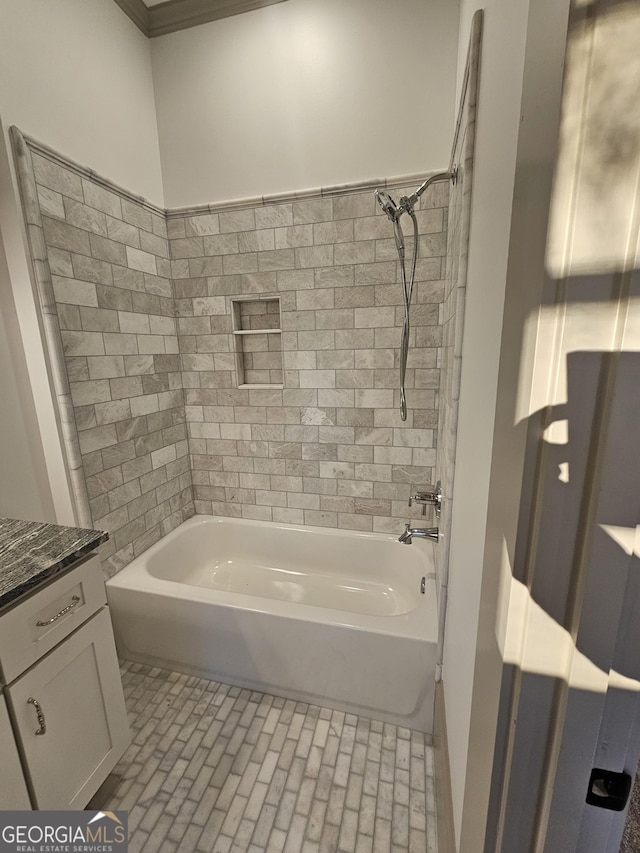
{"type": "Point", "coordinates": [419, 623]}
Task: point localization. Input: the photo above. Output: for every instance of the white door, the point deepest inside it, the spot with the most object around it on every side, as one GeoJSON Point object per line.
{"type": "Point", "coordinates": [71, 718]}
{"type": "Point", "coordinates": [594, 252]}
{"type": "Point", "coordinates": [576, 707]}
{"type": "Point", "coordinates": [575, 700]}
{"type": "Point", "coordinates": [597, 723]}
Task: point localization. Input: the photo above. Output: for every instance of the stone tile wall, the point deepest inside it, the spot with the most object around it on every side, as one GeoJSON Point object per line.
{"type": "Point", "coordinates": [328, 448]}
{"type": "Point", "coordinates": [144, 301]}
{"type": "Point", "coordinates": [110, 273]}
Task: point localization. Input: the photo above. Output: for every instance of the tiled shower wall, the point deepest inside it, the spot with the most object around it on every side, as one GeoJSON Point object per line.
{"type": "Point", "coordinates": [329, 448]}
{"type": "Point", "coordinates": [110, 273]}
{"type": "Point", "coordinates": [146, 327]}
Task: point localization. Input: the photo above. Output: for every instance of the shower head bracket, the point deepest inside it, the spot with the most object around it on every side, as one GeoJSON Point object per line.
{"type": "Point", "coordinates": [407, 203]}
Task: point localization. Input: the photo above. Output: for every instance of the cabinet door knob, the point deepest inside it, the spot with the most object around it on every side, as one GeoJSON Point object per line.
{"type": "Point", "coordinates": [41, 719]}
{"type": "Point", "coordinates": [74, 600]}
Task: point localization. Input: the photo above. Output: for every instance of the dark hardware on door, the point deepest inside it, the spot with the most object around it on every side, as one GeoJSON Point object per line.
{"type": "Point", "coordinates": [608, 790]}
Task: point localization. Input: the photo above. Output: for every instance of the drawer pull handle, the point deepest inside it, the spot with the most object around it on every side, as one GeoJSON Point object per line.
{"type": "Point", "coordinates": [41, 721]}
{"type": "Point", "coordinates": [74, 600]}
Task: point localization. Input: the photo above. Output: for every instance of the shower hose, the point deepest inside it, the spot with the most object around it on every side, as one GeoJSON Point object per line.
{"type": "Point", "coordinates": [407, 291]}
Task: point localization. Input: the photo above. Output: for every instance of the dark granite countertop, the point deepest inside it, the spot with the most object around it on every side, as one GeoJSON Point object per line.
{"type": "Point", "coordinates": [33, 552]}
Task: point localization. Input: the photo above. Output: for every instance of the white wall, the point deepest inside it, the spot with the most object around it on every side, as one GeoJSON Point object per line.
{"type": "Point", "coordinates": [34, 482]}
{"type": "Point", "coordinates": [501, 70]}
{"type": "Point", "coordinates": [25, 491]}
{"type": "Point", "coordinates": [303, 94]}
{"type": "Point", "coordinates": [76, 75]}
{"type": "Point", "coordinates": [516, 145]}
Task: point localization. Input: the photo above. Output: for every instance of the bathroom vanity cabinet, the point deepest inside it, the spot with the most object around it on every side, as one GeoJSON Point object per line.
{"type": "Point", "coordinates": [62, 688]}
{"type": "Point", "coordinates": [13, 788]}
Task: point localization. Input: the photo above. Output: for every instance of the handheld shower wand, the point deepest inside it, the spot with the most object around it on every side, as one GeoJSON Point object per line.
{"type": "Point", "coordinates": [394, 212]}
{"type": "Point", "coordinates": [388, 205]}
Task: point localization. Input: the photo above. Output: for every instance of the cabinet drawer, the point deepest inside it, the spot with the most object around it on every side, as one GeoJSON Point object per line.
{"type": "Point", "coordinates": [40, 622]}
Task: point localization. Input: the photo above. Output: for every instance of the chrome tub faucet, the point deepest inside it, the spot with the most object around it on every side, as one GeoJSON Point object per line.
{"type": "Point", "coordinates": [409, 534]}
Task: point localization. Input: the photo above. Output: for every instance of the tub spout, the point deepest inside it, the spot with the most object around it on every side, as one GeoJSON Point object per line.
{"type": "Point", "coordinates": [406, 538]}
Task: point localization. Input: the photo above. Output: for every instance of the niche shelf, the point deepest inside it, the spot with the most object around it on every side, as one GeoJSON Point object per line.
{"type": "Point", "coordinates": [257, 335]}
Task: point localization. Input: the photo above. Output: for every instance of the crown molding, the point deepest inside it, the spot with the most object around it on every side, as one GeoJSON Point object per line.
{"type": "Point", "coordinates": [181, 14]}
{"type": "Point", "coordinates": [138, 12]}
{"type": "Point", "coordinates": [176, 15]}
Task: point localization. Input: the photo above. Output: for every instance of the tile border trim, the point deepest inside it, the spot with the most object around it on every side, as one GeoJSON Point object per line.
{"type": "Point", "coordinates": [84, 171]}
{"type": "Point", "coordinates": [331, 191]}
{"type": "Point", "coordinates": [52, 337]}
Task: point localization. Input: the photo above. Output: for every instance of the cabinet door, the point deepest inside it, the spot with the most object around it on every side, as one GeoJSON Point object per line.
{"type": "Point", "coordinates": [70, 716]}
{"type": "Point", "coordinates": [13, 789]}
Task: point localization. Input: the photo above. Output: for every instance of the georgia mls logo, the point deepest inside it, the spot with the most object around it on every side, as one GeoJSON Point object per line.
{"type": "Point", "coordinates": [63, 832]}
{"type": "Point", "coordinates": [118, 831]}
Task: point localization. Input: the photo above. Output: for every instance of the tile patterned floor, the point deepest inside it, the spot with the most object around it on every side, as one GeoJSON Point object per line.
{"type": "Point", "coordinates": [224, 770]}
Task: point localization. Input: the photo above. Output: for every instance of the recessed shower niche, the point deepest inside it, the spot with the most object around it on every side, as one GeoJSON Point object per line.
{"type": "Point", "coordinates": [257, 337]}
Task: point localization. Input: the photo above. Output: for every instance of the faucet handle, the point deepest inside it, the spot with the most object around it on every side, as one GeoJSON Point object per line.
{"type": "Point", "coordinates": [433, 498]}
{"type": "Point", "coordinates": [419, 498]}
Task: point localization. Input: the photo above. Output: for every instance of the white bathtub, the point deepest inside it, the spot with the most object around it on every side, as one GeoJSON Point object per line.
{"type": "Point", "coordinates": [331, 617]}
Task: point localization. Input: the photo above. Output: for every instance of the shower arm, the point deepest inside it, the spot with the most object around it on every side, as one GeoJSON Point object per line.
{"type": "Point", "coordinates": [407, 202]}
